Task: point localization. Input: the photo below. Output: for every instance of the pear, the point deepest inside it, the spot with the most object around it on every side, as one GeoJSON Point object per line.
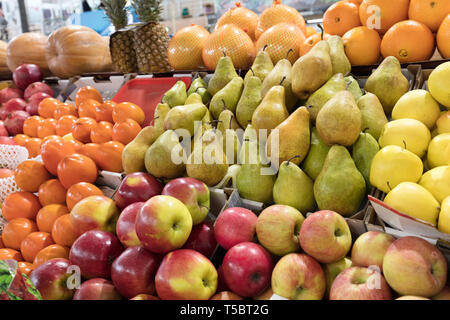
{"type": "Point", "coordinates": [339, 60]}
{"type": "Point", "coordinates": [318, 99]}
{"type": "Point", "coordinates": [223, 74]}
{"type": "Point", "coordinates": [363, 152]}
{"type": "Point", "coordinates": [207, 162]}
{"type": "Point", "coordinates": [206, 96]}
{"type": "Point", "coordinates": [183, 117]}
{"type": "Point", "coordinates": [444, 216]}
{"type": "Point", "coordinates": [228, 97]}
{"type": "Point", "coordinates": [271, 111]}
{"type": "Point", "coordinates": [133, 155]}
{"type": "Point", "coordinates": [166, 157]}
{"type": "Point", "coordinates": [437, 181]}
{"type": "Point", "coordinates": [227, 125]}
{"type": "Point", "coordinates": [393, 165]}
{"type": "Point", "coordinates": [317, 154]}
{"type": "Point", "coordinates": [293, 139]}
{"type": "Point", "coordinates": [249, 101]}
{"type": "Point", "coordinates": [312, 70]}
{"type": "Point", "coordinates": [415, 201]}
{"type": "Point", "coordinates": [340, 187]}
{"type": "Point", "coordinates": [261, 66]}
{"type": "Point", "coordinates": [176, 96]}
{"type": "Point", "coordinates": [193, 98]}
{"type": "Point", "coordinates": [353, 87]}
{"type": "Point", "coordinates": [196, 84]}
{"type": "Point", "coordinates": [373, 114]}
{"type": "Point", "coordinates": [159, 116]}
{"type": "Point", "coordinates": [388, 83]}
{"type": "Point", "coordinates": [281, 74]}
{"type": "Point", "coordinates": [294, 188]}
{"type": "Point", "coordinates": [340, 120]}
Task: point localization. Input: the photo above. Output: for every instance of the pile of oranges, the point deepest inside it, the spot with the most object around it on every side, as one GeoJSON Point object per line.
{"type": "Point", "coordinates": [410, 30]}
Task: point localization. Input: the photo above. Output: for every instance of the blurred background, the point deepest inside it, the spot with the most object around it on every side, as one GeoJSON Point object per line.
{"type": "Point", "coordinates": [18, 16]}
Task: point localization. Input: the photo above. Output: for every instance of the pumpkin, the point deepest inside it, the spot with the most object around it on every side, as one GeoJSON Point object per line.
{"type": "Point", "coordinates": [74, 50]}
{"type": "Point", "coordinates": [3, 66]}
{"type": "Point", "coordinates": [28, 47]}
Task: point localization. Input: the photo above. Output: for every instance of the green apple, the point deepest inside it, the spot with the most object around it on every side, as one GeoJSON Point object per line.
{"type": "Point", "coordinates": [437, 181]}
{"type": "Point", "coordinates": [332, 270]}
{"type": "Point", "coordinates": [444, 216]}
{"type": "Point", "coordinates": [439, 84]}
{"type": "Point", "coordinates": [443, 123]}
{"type": "Point", "coordinates": [439, 151]}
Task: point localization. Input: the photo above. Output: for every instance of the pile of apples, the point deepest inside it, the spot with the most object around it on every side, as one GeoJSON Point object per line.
{"type": "Point", "coordinates": [22, 101]}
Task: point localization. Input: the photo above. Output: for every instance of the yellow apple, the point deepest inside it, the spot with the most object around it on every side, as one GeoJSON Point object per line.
{"type": "Point", "coordinates": [437, 181]}
{"type": "Point", "coordinates": [443, 123]}
{"type": "Point", "coordinates": [444, 216]}
{"type": "Point", "coordinates": [439, 151]}
{"type": "Point", "coordinates": [439, 84]}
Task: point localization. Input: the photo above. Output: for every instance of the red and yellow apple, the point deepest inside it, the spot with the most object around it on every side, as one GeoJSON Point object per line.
{"type": "Point", "coordinates": [137, 187]}
{"type": "Point", "coordinates": [369, 249]}
{"type": "Point", "coordinates": [126, 225]}
{"type": "Point", "coordinates": [332, 270]}
{"type": "Point", "coordinates": [97, 289]}
{"type": "Point", "coordinates": [234, 226]}
{"type": "Point", "coordinates": [145, 297]}
{"type": "Point", "coordinates": [443, 295]}
{"type": "Point", "coordinates": [226, 295]}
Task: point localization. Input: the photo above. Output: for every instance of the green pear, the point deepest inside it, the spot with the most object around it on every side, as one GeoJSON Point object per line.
{"type": "Point", "coordinates": [228, 97]}
{"type": "Point", "coordinates": [183, 117]}
{"type": "Point", "coordinates": [271, 111]}
{"type": "Point", "coordinates": [318, 99]}
{"type": "Point", "coordinates": [312, 70]}
{"type": "Point", "coordinates": [206, 96]}
{"type": "Point", "coordinates": [176, 96]}
{"type": "Point", "coordinates": [363, 152]}
{"type": "Point", "coordinates": [261, 66]}
{"type": "Point", "coordinates": [373, 114]}
{"type": "Point", "coordinates": [353, 87]}
{"type": "Point", "coordinates": [340, 187]}
{"type": "Point", "coordinates": [133, 155]}
{"type": "Point", "coordinates": [193, 98]}
{"type": "Point", "coordinates": [249, 101]}
{"type": "Point", "coordinates": [159, 116]}
{"type": "Point", "coordinates": [388, 83]}
{"type": "Point", "coordinates": [293, 139]}
{"type": "Point", "coordinates": [339, 60]}
{"type": "Point", "coordinates": [196, 84]}
{"type": "Point", "coordinates": [249, 149]}
{"type": "Point", "coordinates": [317, 154]}
{"type": "Point", "coordinates": [223, 74]}
{"type": "Point", "coordinates": [166, 157]}
{"type": "Point", "coordinates": [227, 125]}
{"type": "Point", "coordinates": [294, 188]}
{"type": "Point", "coordinates": [340, 120]}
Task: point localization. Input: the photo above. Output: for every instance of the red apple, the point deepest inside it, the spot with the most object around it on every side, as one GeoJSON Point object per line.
{"type": "Point", "coordinates": [193, 193]}
{"type": "Point", "coordinates": [358, 283]}
{"type": "Point", "coordinates": [37, 87]}
{"type": "Point", "coordinates": [414, 267]}
{"type": "Point", "coordinates": [14, 122]}
{"type": "Point", "coordinates": [226, 295]}
{"type": "Point", "coordinates": [202, 239]}
{"type": "Point", "coordinates": [94, 252]}
{"type": "Point", "coordinates": [8, 141]}
{"type": "Point", "coordinates": [50, 278]}
{"type": "Point", "coordinates": [443, 295]}
{"type": "Point", "coordinates": [133, 272]}
{"type": "Point", "coordinates": [234, 226]}
{"type": "Point", "coordinates": [369, 249]}
{"type": "Point", "coordinates": [3, 130]}
{"type": "Point", "coordinates": [221, 284]}
{"type": "Point", "coordinates": [34, 101]}
{"type": "Point", "coordinates": [137, 187]}
{"type": "Point", "coordinates": [26, 74]}
{"type": "Point", "coordinates": [15, 104]}
{"type": "Point", "coordinates": [297, 276]}
{"type": "Point", "coordinates": [97, 289]}
{"type": "Point", "coordinates": [247, 268]}
{"type": "Point", "coordinates": [186, 275]}
{"type": "Point", "coordinates": [126, 225]}
{"type": "Point", "coordinates": [163, 224]}
{"type": "Point", "coordinates": [7, 94]}
{"type": "Point", "coordinates": [94, 212]}
{"type": "Point", "coordinates": [145, 297]}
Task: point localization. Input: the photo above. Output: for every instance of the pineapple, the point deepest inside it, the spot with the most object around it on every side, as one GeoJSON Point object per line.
{"type": "Point", "coordinates": [150, 37]}
{"type": "Point", "coordinates": [121, 44]}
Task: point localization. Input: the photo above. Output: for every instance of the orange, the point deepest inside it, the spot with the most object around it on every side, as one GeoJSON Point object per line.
{"type": "Point", "coordinates": [79, 191]}
{"type": "Point", "coordinates": [30, 174]}
{"type": "Point", "coordinates": [128, 110]}
{"type": "Point", "coordinates": [429, 12]}
{"type": "Point", "coordinates": [30, 126]}
{"type": "Point", "coordinates": [21, 139]}
{"type": "Point", "coordinates": [33, 243]}
{"type": "Point", "coordinates": [7, 254]}
{"type": "Point", "coordinates": [16, 230]}
{"type": "Point", "coordinates": [310, 42]}
{"type": "Point", "coordinates": [46, 127]}
{"type": "Point", "coordinates": [103, 132]}
{"type": "Point", "coordinates": [53, 151]}
{"type": "Point", "coordinates": [47, 107]}
{"type": "Point", "coordinates": [390, 12]}
{"type": "Point", "coordinates": [20, 205]}
{"type": "Point", "coordinates": [77, 168]}
{"type": "Point", "coordinates": [86, 93]}
{"type": "Point", "coordinates": [51, 252]}
{"type": "Point", "coordinates": [63, 232]}
{"type": "Point", "coordinates": [33, 146]}
{"type": "Point", "coordinates": [64, 125]}
{"type": "Point", "coordinates": [109, 156]}
{"type": "Point", "coordinates": [88, 109]}
{"type": "Point", "coordinates": [47, 215]}
{"type": "Point", "coordinates": [408, 41]}
{"type": "Point", "coordinates": [25, 267]}
{"type": "Point", "coordinates": [125, 132]}
{"type": "Point", "coordinates": [104, 111]}
{"type": "Point", "coordinates": [443, 37]}
{"type": "Point", "coordinates": [310, 31]}
{"type": "Point", "coordinates": [6, 173]}
{"type": "Point", "coordinates": [65, 109]}
{"type": "Point", "coordinates": [82, 128]}
{"type": "Point", "coordinates": [341, 17]}
{"type": "Point", "coordinates": [362, 46]}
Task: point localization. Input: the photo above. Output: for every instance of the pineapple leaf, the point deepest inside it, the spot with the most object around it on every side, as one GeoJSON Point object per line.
{"type": "Point", "coordinates": [116, 12]}
{"type": "Point", "coordinates": [148, 10]}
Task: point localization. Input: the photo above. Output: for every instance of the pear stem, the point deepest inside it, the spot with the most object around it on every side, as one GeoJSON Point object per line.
{"type": "Point", "coordinates": [287, 54]}
{"type": "Point", "coordinates": [153, 120]}
{"type": "Point", "coordinates": [321, 29]}
{"type": "Point", "coordinates": [231, 119]}
{"type": "Point", "coordinates": [294, 157]}
{"type": "Point", "coordinates": [389, 185]}
{"type": "Point", "coordinates": [224, 53]}
{"type": "Point", "coordinates": [282, 80]}
{"type": "Point", "coordinates": [252, 71]}
{"type": "Point", "coordinates": [224, 105]}
{"type": "Point", "coordinates": [404, 143]}
{"type": "Point", "coordinates": [265, 47]}
{"type": "Point", "coordinates": [365, 129]}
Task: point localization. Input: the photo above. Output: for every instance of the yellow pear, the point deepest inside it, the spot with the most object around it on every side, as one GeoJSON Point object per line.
{"type": "Point", "coordinates": [437, 181]}
{"type": "Point", "coordinates": [443, 123]}
{"type": "Point", "coordinates": [414, 200]}
{"type": "Point", "coordinates": [393, 165]}
{"type": "Point", "coordinates": [444, 216]}
{"type": "Point", "coordinates": [439, 151]}
{"type": "Point", "coordinates": [410, 134]}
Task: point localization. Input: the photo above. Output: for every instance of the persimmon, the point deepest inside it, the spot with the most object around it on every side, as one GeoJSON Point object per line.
{"type": "Point", "coordinates": [46, 127]}
{"type": "Point", "coordinates": [47, 107]}
{"type": "Point", "coordinates": [109, 156]}
{"type": "Point", "coordinates": [341, 17]}
{"type": "Point", "coordinates": [54, 136]}
{"type": "Point", "coordinates": [86, 93]}
{"type": "Point", "coordinates": [77, 168]}
{"type": "Point", "coordinates": [16, 230]}
{"type": "Point", "coordinates": [52, 192]}
{"type": "Point", "coordinates": [81, 129]}
{"type": "Point", "coordinates": [25, 267]}
{"type": "Point", "coordinates": [7, 254]}
{"type": "Point", "coordinates": [64, 125]}
{"type": "Point", "coordinates": [30, 126]}
{"type": "Point", "coordinates": [79, 191]}
{"type": "Point", "coordinates": [103, 132]}
{"type": "Point", "coordinates": [47, 216]}
{"type": "Point", "coordinates": [77, 145]}
{"type": "Point", "coordinates": [89, 150]}
{"type": "Point", "coordinates": [21, 139]}
{"type": "Point", "coordinates": [88, 109]}
{"type": "Point", "coordinates": [33, 145]}
{"type": "Point", "coordinates": [125, 132]}
{"type": "Point", "coordinates": [1, 243]}
{"type": "Point", "coordinates": [63, 232]}
{"type": "Point", "coordinates": [30, 174]}
{"type": "Point", "coordinates": [20, 205]}
{"type": "Point", "coordinates": [33, 243]}
{"type": "Point", "coordinates": [65, 109]}
{"type": "Point", "coordinates": [51, 252]}
{"type": "Point", "coordinates": [53, 151]}
{"type": "Point", "coordinates": [105, 110]}
{"type": "Point", "coordinates": [128, 110]}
